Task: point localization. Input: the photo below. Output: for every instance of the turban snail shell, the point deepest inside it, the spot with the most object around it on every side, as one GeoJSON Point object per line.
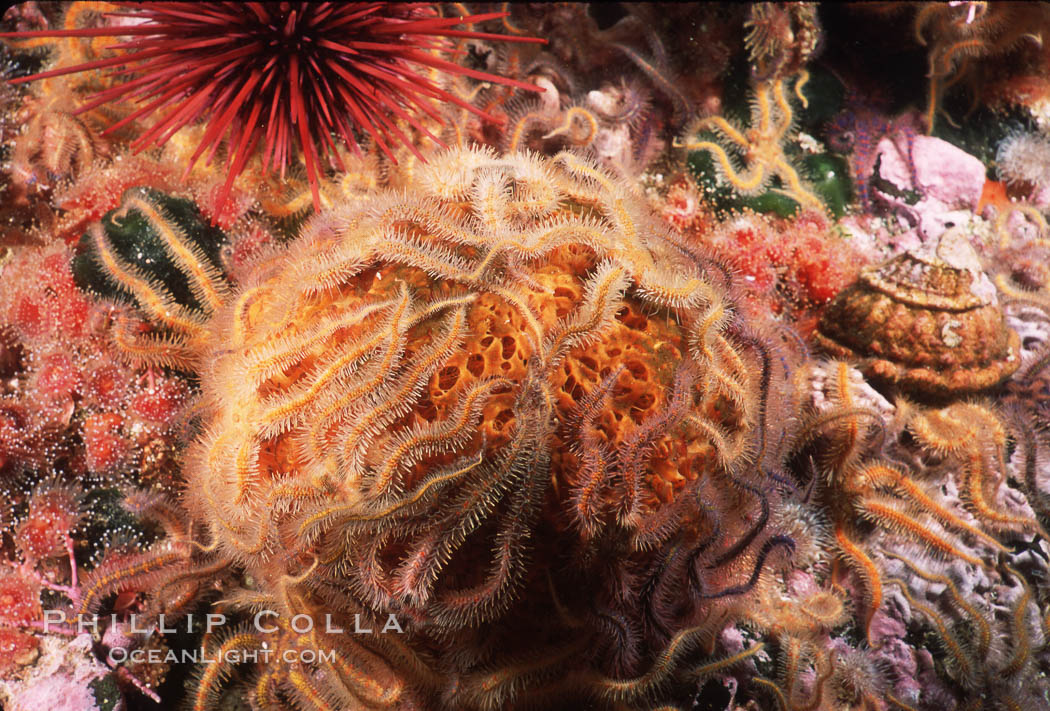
{"type": "Point", "coordinates": [929, 323]}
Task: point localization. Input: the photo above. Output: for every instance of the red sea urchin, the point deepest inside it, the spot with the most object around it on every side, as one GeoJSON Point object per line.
{"type": "Point", "coordinates": [280, 73]}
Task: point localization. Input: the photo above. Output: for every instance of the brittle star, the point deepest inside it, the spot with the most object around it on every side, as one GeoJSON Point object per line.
{"type": "Point", "coordinates": [761, 144]}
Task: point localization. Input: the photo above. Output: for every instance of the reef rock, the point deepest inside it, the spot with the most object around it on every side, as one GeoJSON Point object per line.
{"type": "Point", "coordinates": [930, 183]}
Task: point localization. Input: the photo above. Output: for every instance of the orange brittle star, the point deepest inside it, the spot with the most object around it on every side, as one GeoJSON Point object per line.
{"type": "Point", "coordinates": [900, 500]}
{"type": "Point", "coordinates": [761, 144]}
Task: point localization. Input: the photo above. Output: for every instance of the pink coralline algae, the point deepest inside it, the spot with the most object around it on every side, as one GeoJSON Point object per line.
{"type": "Point", "coordinates": [61, 678]}
{"type": "Point", "coordinates": [929, 183]}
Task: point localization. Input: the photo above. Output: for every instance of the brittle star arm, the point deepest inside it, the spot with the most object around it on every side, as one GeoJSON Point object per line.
{"type": "Point", "coordinates": [795, 189]}
{"type": "Point", "coordinates": [723, 126]}
{"type": "Point", "coordinates": [745, 181]}
{"type": "Point", "coordinates": [785, 111]}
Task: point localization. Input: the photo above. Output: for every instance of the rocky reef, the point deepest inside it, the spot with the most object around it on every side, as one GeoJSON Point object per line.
{"type": "Point", "coordinates": [607, 356]}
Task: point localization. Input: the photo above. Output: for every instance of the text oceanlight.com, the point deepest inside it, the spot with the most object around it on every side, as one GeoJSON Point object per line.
{"type": "Point", "coordinates": [262, 654]}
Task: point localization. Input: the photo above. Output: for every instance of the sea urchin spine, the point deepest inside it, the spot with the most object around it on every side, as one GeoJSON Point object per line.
{"type": "Point", "coordinates": [279, 73]}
